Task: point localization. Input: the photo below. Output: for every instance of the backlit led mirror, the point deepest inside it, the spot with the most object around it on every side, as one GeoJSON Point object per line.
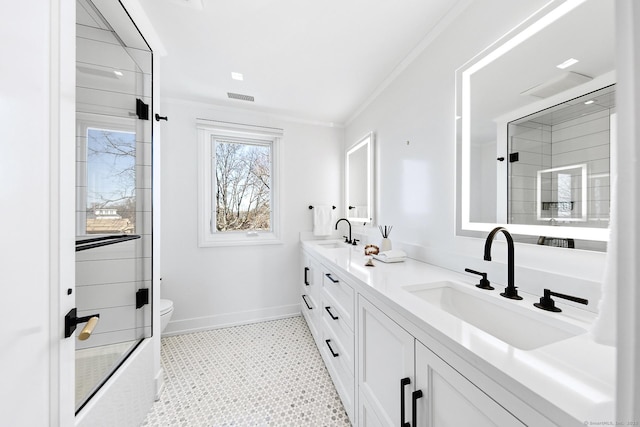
{"type": "Point", "coordinates": [359, 180]}
{"type": "Point", "coordinates": [535, 119]}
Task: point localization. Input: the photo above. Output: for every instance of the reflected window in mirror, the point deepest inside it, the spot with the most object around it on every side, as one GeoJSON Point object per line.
{"type": "Point", "coordinates": [359, 180]}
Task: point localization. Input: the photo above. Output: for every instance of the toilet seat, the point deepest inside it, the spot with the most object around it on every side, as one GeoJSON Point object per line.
{"type": "Point", "coordinates": [165, 306]}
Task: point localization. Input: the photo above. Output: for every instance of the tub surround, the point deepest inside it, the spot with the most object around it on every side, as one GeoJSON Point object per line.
{"type": "Point", "coordinates": [570, 381]}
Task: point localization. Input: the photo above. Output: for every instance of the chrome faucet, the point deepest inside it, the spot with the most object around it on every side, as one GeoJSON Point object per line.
{"type": "Point", "coordinates": [510, 291]}
{"type": "Point", "coordinates": [346, 239]}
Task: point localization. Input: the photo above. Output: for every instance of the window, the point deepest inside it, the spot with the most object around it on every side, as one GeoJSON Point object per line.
{"type": "Point", "coordinates": [238, 170]}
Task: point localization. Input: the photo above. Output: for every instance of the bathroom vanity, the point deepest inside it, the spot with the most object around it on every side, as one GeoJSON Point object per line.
{"type": "Point", "coordinates": [413, 343]}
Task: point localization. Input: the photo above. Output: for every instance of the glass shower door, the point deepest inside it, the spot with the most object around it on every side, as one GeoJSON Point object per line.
{"type": "Point", "coordinates": [113, 190]}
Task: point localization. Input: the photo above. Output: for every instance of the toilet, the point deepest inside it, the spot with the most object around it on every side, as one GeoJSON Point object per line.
{"type": "Point", "coordinates": [166, 310]}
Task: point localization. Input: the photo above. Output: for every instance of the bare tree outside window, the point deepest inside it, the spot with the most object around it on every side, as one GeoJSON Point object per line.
{"type": "Point", "coordinates": [111, 181]}
{"type": "Point", "coordinates": [243, 186]}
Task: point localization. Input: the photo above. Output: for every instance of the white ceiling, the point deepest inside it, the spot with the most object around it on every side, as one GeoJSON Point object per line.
{"type": "Point", "coordinates": [318, 61]}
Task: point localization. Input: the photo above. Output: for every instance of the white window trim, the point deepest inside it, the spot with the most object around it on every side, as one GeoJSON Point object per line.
{"type": "Point", "coordinates": [207, 130]}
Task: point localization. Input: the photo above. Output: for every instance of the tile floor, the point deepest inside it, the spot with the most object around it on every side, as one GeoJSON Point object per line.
{"type": "Point", "coordinates": [263, 374]}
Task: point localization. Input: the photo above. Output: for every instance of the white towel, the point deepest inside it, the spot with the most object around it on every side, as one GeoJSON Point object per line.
{"type": "Point", "coordinates": [322, 220]}
{"type": "Point", "coordinates": [604, 329]}
{"type": "Point", "coordinates": [393, 255]}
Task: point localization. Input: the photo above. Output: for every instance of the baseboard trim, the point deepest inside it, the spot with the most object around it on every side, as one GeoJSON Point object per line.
{"type": "Point", "coordinates": [196, 324]}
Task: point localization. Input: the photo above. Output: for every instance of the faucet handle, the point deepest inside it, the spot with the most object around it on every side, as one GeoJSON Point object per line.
{"type": "Point", "coordinates": [546, 303]}
{"type": "Point", "coordinates": [346, 239]}
{"type": "Point", "coordinates": [484, 283]}
{"type": "Point", "coordinates": [355, 242]}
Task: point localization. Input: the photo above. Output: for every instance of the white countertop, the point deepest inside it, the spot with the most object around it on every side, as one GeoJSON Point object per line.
{"type": "Point", "coordinates": [576, 374]}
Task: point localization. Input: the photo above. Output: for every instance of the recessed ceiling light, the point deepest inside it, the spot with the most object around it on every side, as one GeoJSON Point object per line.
{"type": "Point", "coordinates": [237, 76]}
{"type": "Point", "coordinates": [118, 73]}
{"type": "Point", "coordinates": [591, 101]}
{"type": "Point", "coordinates": [568, 63]}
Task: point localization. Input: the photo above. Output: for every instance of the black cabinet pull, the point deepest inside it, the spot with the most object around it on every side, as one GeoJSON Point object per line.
{"type": "Point", "coordinates": [414, 406]}
{"type": "Point", "coordinates": [305, 301]}
{"type": "Point", "coordinates": [330, 313]}
{"type": "Point", "coordinates": [306, 279]}
{"type": "Point", "coordinates": [333, 353]}
{"type": "Point", "coordinates": [331, 278]}
{"type": "Point", "coordinates": [403, 383]}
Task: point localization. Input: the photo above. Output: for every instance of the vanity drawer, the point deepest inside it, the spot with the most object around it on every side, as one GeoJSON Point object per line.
{"type": "Point", "coordinates": [335, 353]}
{"type": "Point", "coordinates": [337, 331]}
{"type": "Point", "coordinates": [311, 312]}
{"type": "Point", "coordinates": [342, 295]}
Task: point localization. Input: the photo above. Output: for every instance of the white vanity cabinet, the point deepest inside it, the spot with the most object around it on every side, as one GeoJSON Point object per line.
{"type": "Point", "coordinates": [401, 381]}
{"type": "Point", "coordinates": [389, 370]}
{"type": "Point", "coordinates": [338, 339]}
{"type": "Point", "coordinates": [328, 306]}
{"type": "Point", "coordinates": [443, 397]}
{"type": "Point", "coordinates": [310, 293]}
{"type": "Point", "coordinates": [385, 368]}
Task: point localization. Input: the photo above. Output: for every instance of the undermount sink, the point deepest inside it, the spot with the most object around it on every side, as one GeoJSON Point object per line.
{"type": "Point", "coordinates": [505, 320]}
{"type": "Point", "coordinates": [331, 244]}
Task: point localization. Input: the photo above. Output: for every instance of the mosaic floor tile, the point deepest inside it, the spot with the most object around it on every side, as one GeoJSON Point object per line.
{"type": "Point", "coordinates": [262, 374]}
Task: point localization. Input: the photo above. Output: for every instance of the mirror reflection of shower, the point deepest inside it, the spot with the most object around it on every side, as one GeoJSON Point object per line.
{"type": "Point", "coordinates": [113, 190]}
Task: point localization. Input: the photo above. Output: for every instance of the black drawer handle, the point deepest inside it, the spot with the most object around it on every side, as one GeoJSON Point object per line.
{"type": "Point", "coordinates": [403, 383]}
{"type": "Point", "coordinates": [330, 313]}
{"type": "Point", "coordinates": [414, 406]}
{"type": "Point", "coordinates": [331, 278]}
{"type": "Point", "coordinates": [305, 301]}
{"type": "Point", "coordinates": [306, 279]}
{"type": "Point", "coordinates": [333, 353]}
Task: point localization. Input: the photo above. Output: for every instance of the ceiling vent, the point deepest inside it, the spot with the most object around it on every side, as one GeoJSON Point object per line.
{"type": "Point", "coordinates": [559, 84]}
{"type": "Point", "coordinates": [240, 97]}
{"type": "Point", "coordinates": [194, 4]}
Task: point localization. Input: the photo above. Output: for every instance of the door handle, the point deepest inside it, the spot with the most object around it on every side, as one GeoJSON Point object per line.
{"type": "Point", "coordinates": [86, 332]}
{"type": "Point", "coordinates": [331, 278]}
{"type": "Point", "coordinates": [403, 383]}
{"type": "Point", "coordinates": [330, 313]}
{"type": "Point", "coordinates": [306, 303]}
{"type": "Point", "coordinates": [333, 353]}
{"type": "Point", "coordinates": [414, 406]}
{"type": "Point", "coordinates": [71, 320]}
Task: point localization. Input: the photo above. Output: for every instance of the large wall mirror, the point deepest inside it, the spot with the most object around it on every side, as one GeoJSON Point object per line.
{"type": "Point", "coordinates": [535, 121]}
{"type": "Point", "coordinates": [359, 180]}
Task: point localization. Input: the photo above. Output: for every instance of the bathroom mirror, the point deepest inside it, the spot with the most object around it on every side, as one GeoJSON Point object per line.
{"type": "Point", "coordinates": [561, 55]}
{"type": "Point", "coordinates": [359, 179]}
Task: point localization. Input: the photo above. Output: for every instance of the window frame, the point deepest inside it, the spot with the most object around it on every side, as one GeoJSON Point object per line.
{"type": "Point", "coordinates": [207, 132]}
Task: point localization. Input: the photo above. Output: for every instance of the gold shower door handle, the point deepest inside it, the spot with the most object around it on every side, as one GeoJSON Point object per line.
{"type": "Point", "coordinates": [88, 328]}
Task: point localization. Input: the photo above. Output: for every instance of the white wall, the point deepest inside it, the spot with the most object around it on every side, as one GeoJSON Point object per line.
{"type": "Point", "coordinates": [219, 286]}
{"type": "Point", "coordinates": [36, 195]}
{"type": "Point", "coordinates": [25, 135]}
{"type": "Point", "coordinates": [416, 182]}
